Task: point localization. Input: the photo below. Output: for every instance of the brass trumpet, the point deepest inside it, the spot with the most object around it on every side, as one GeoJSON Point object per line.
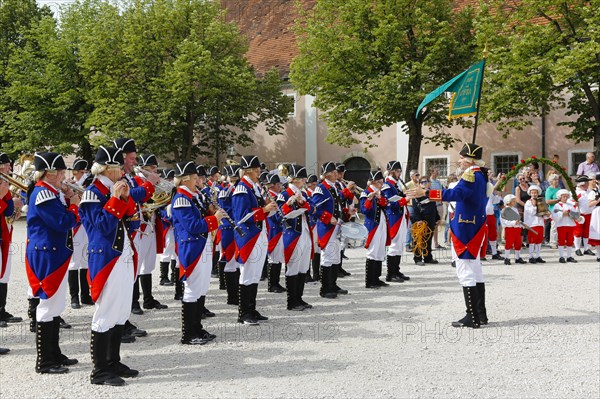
{"type": "Point", "coordinates": [163, 192]}
{"type": "Point", "coordinates": [15, 186]}
{"type": "Point", "coordinates": [359, 190]}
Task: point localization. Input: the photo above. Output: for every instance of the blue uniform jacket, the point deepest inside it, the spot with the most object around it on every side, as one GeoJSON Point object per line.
{"type": "Point", "coordinates": [293, 233]}
{"type": "Point", "coordinates": [49, 240]}
{"type": "Point", "coordinates": [243, 202]}
{"type": "Point", "coordinates": [394, 211]}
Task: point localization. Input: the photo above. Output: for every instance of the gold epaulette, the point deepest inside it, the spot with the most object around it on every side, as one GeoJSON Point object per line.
{"type": "Point", "coordinates": [469, 176]}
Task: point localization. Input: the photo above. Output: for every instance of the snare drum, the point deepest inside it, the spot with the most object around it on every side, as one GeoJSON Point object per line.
{"type": "Point", "coordinates": [354, 233]}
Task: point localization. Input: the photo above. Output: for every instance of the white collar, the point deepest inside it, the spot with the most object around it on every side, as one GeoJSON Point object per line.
{"type": "Point", "coordinates": [106, 181]}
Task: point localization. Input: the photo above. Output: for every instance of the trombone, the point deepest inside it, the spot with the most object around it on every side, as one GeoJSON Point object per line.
{"type": "Point", "coordinates": [359, 190]}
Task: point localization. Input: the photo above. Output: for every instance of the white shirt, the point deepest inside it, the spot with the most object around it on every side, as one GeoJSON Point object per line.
{"type": "Point", "coordinates": [557, 214]}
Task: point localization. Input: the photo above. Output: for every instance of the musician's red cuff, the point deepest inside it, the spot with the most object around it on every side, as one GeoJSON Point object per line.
{"type": "Point", "coordinates": [286, 209]}
{"type": "Point", "coordinates": [116, 207]}
{"type": "Point", "coordinates": [382, 201]}
{"type": "Point", "coordinates": [131, 207]}
{"type": "Point", "coordinates": [74, 209]}
{"type": "Point", "coordinates": [306, 205]}
{"type": "Point", "coordinates": [259, 215]}
{"type": "Point", "coordinates": [368, 203]}
{"type": "Point", "coordinates": [435, 195]}
{"type": "Point", "coordinates": [326, 217]}
{"type": "Point", "coordinates": [149, 190]}
{"type": "Point", "coordinates": [212, 222]}
{"type": "Point", "coordinates": [349, 195]}
{"type": "Point", "coordinates": [402, 202]}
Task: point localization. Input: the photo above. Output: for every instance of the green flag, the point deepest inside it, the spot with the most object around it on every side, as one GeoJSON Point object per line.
{"type": "Point", "coordinates": [465, 89]}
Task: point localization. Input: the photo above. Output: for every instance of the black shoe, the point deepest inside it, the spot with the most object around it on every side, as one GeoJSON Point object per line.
{"type": "Point", "coordinates": [194, 341]}
{"type": "Point", "coordinates": [394, 279]}
{"type": "Point", "coordinates": [4, 351]}
{"type": "Point", "coordinates": [498, 257]}
{"type": "Point", "coordinates": [54, 370]}
{"type": "Point", "coordinates": [75, 304]}
{"type": "Point", "coordinates": [431, 262]}
{"type": "Point", "coordinates": [589, 252]}
{"type": "Point", "coordinates": [571, 259]}
{"type": "Point", "coordinates": [130, 329]}
{"type": "Point", "coordinates": [507, 261]}
{"type": "Point", "coordinates": [483, 259]}
{"type": "Point", "coordinates": [561, 260]}
{"type": "Point", "coordinates": [135, 309]}
{"type": "Point", "coordinates": [87, 300]}
{"type": "Point", "coordinates": [277, 288]}
{"type": "Point", "coordinates": [540, 260]}
{"type": "Point", "coordinates": [207, 313]}
{"type": "Point", "coordinates": [532, 260]}
{"type": "Point", "coordinates": [578, 252]}
{"type": "Point", "coordinates": [419, 263]}
{"type": "Point", "coordinates": [127, 339]}
{"type": "Point", "coordinates": [381, 283]}
{"type": "Point", "coordinates": [248, 320]}
{"type": "Point", "coordinates": [258, 316]}
{"type": "Point", "coordinates": [328, 295]}
{"type": "Point", "coordinates": [341, 291]}
{"type": "Point", "coordinates": [124, 371]}
{"type": "Point", "coordinates": [153, 304]}
{"type": "Point", "coordinates": [165, 282]}
{"type": "Point", "coordinates": [63, 324]}
{"type": "Point", "coordinates": [9, 318]}
{"type": "Point", "coordinates": [404, 277]}
{"type": "Point", "coordinates": [453, 263]}
{"type": "Point", "coordinates": [520, 261]}
{"type": "Point", "coordinates": [206, 335]}
{"type": "Point", "coordinates": [68, 361]}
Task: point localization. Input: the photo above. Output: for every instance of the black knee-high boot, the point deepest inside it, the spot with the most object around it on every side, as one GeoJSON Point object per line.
{"type": "Point", "coordinates": [86, 298]}
{"type": "Point", "coordinates": [5, 316]}
{"type": "Point", "coordinates": [222, 284]}
{"type": "Point", "coordinates": [232, 285]}
{"type": "Point", "coordinates": [178, 283]}
{"type": "Point", "coordinates": [73, 280]}
{"type": "Point", "coordinates": [31, 313]}
{"type": "Point", "coordinates": [102, 373]}
{"type": "Point", "coordinates": [46, 362]}
{"type": "Point", "coordinates": [135, 301]}
{"type": "Point", "coordinates": [300, 290]}
{"type": "Point", "coordinates": [316, 266]}
{"type": "Point", "coordinates": [274, 273]}
{"type": "Point", "coordinates": [292, 299]}
{"type": "Point", "coordinates": [483, 319]}
{"type": "Point", "coordinates": [189, 321]}
{"type": "Point", "coordinates": [149, 301]}
{"type": "Point", "coordinates": [215, 261]}
{"type": "Point", "coordinates": [245, 313]}
{"type": "Point", "coordinates": [164, 274]}
{"type": "Point", "coordinates": [471, 319]}
{"type": "Point", "coordinates": [114, 352]}
{"type": "Point", "coordinates": [326, 290]}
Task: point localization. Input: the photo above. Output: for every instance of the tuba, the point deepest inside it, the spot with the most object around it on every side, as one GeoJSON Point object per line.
{"type": "Point", "coordinates": [163, 191]}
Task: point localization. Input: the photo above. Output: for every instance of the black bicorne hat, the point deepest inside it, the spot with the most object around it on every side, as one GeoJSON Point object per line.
{"type": "Point", "coordinates": [80, 164]}
{"type": "Point", "coordinates": [109, 156]}
{"type": "Point", "coordinates": [126, 145]}
{"type": "Point", "coordinates": [273, 178]}
{"type": "Point", "coordinates": [4, 158]}
{"type": "Point", "coordinates": [250, 162]}
{"type": "Point", "coordinates": [394, 165]}
{"type": "Point", "coordinates": [185, 169]}
{"type": "Point", "coordinates": [48, 161]}
{"type": "Point", "coordinates": [472, 150]}
{"type": "Point", "coordinates": [169, 173]}
{"type": "Point", "coordinates": [312, 179]}
{"type": "Point", "coordinates": [148, 160]}
{"type": "Point", "coordinates": [340, 167]}
{"type": "Point", "coordinates": [328, 167]}
{"type": "Point", "coordinates": [297, 171]}
{"type": "Point", "coordinates": [200, 170]}
{"type": "Point", "coordinates": [376, 175]}
{"type": "Point", "coordinates": [213, 170]}
{"type": "Point", "coordinates": [264, 177]}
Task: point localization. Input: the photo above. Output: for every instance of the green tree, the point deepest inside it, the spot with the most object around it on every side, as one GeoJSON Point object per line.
{"type": "Point", "coordinates": [16, 19]}
{"type": "Point", "coordinates": [532, 76]}
{"type": "Point", "coordinates": [370, 64]}
{"type": "Point", "coordinates": [172, 74]}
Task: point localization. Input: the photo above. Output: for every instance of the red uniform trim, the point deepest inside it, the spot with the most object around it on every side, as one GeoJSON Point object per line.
{"type": "Point", "coordinates": [51, 283]}
{"type": "Point", "coordinates": [116, 207]}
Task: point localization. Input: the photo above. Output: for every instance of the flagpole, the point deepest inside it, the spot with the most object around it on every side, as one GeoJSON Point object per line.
{"type": "Point", "coordinates": [479, 94]}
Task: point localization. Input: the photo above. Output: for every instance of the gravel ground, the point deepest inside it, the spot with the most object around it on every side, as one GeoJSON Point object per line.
{"type": "Point", "coordinates": [542, 340]}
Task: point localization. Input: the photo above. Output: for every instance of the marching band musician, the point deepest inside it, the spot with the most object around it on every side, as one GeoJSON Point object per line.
{"type": "Point", "coordinates": [78, 267]}
{"type": "Point", "coordinates": [250, 212]}
{"type": "Point", "coordinates": [212, 182]}
{"type": "Point", "coordinates": [397, 218]}
{"type": "Point", "coordinates": [112, 270]}
{"type": "Point", "coordinates": [297, 239]}
{"type": "Point", "coordinates": [564, 224]}
{"type": "Point", "coordinates": [328, 202]}
{"type": "Point", "coordinates": [468, 231]}
{"type": "Point", "coordinates": [168, 257]}
{"type": "Point", "coordinates": [194, 249]}
{"type": "Point", "coordinates": [535, 222]}
{"type": "Point", "coordinates": [348, 202]}
{"type": "Point", "coordinates": [140, 191]}
{"type": "Point", "coordinates": [228, 262]}
{"type": "Point", "coordinates": [594, 204]}
{"type": "Point", "coordinates": [9, 207]}
{"type": "Point", "coordinates": [372, 205]}
{"type": "Point", "coordinates": [51, 216]}
{"type": "Point", "coordinates": [206, 209]}
{"type": "Point", "coordinates": [582, 230]}
{"type": "Point", "coordinates": [150, 242]}
{"type": "Point", "coordinates": [311, 184]}
{"type": "Point", "coordinates": [276, 225]}
{"type": "Point", "coordinates": [262, 181]}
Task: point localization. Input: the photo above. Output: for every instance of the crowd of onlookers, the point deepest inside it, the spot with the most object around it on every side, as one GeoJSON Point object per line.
{"type": "Point", "coordinates": [437, 214]}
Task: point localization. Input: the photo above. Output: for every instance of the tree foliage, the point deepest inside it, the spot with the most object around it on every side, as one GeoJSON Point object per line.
{"type": "Point", "coordinates": [370, 64]}
{"type": "Point", "coordinates": [544, 55]}
{"type": "Point", "coordinates": [169, 73]}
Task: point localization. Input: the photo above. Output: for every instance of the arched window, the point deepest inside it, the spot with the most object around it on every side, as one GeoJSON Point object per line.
{"type": "Point", "coordinates": [357, 170]}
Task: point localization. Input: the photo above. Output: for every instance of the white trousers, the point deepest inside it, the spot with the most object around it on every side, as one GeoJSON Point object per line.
{"type": "Point", "coordinates": [147, 251]}
{"type": "Point", "coordinates": [197, 284]}
{"type": "Point", "coordinates": [114, 303]}
{"type": "Point", "coordinates": [52, 307]}
{"type": "Point", "coordinates": [398, 243]}
{"type": "Point", "coordinates": [251, 270]}
{"type": "Point", "coordinates": [300, 259]}
{"type": "Point", "coordinates": [376, 249]}
{"type": "Point", "coordinates": [468, 271]}
{"type": "Point", "coordinates": [79, 260]}
{"type": "Point", "coordinates": [330, 255]}
{"type": "Point", "coordinates": [169, 250]}
{"type": "Point", "coordinates": [231, 266]}
{"type": "Point", "coordinates": [315, 238]}
{"type": "Point", "coordinates": [276, 256]}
